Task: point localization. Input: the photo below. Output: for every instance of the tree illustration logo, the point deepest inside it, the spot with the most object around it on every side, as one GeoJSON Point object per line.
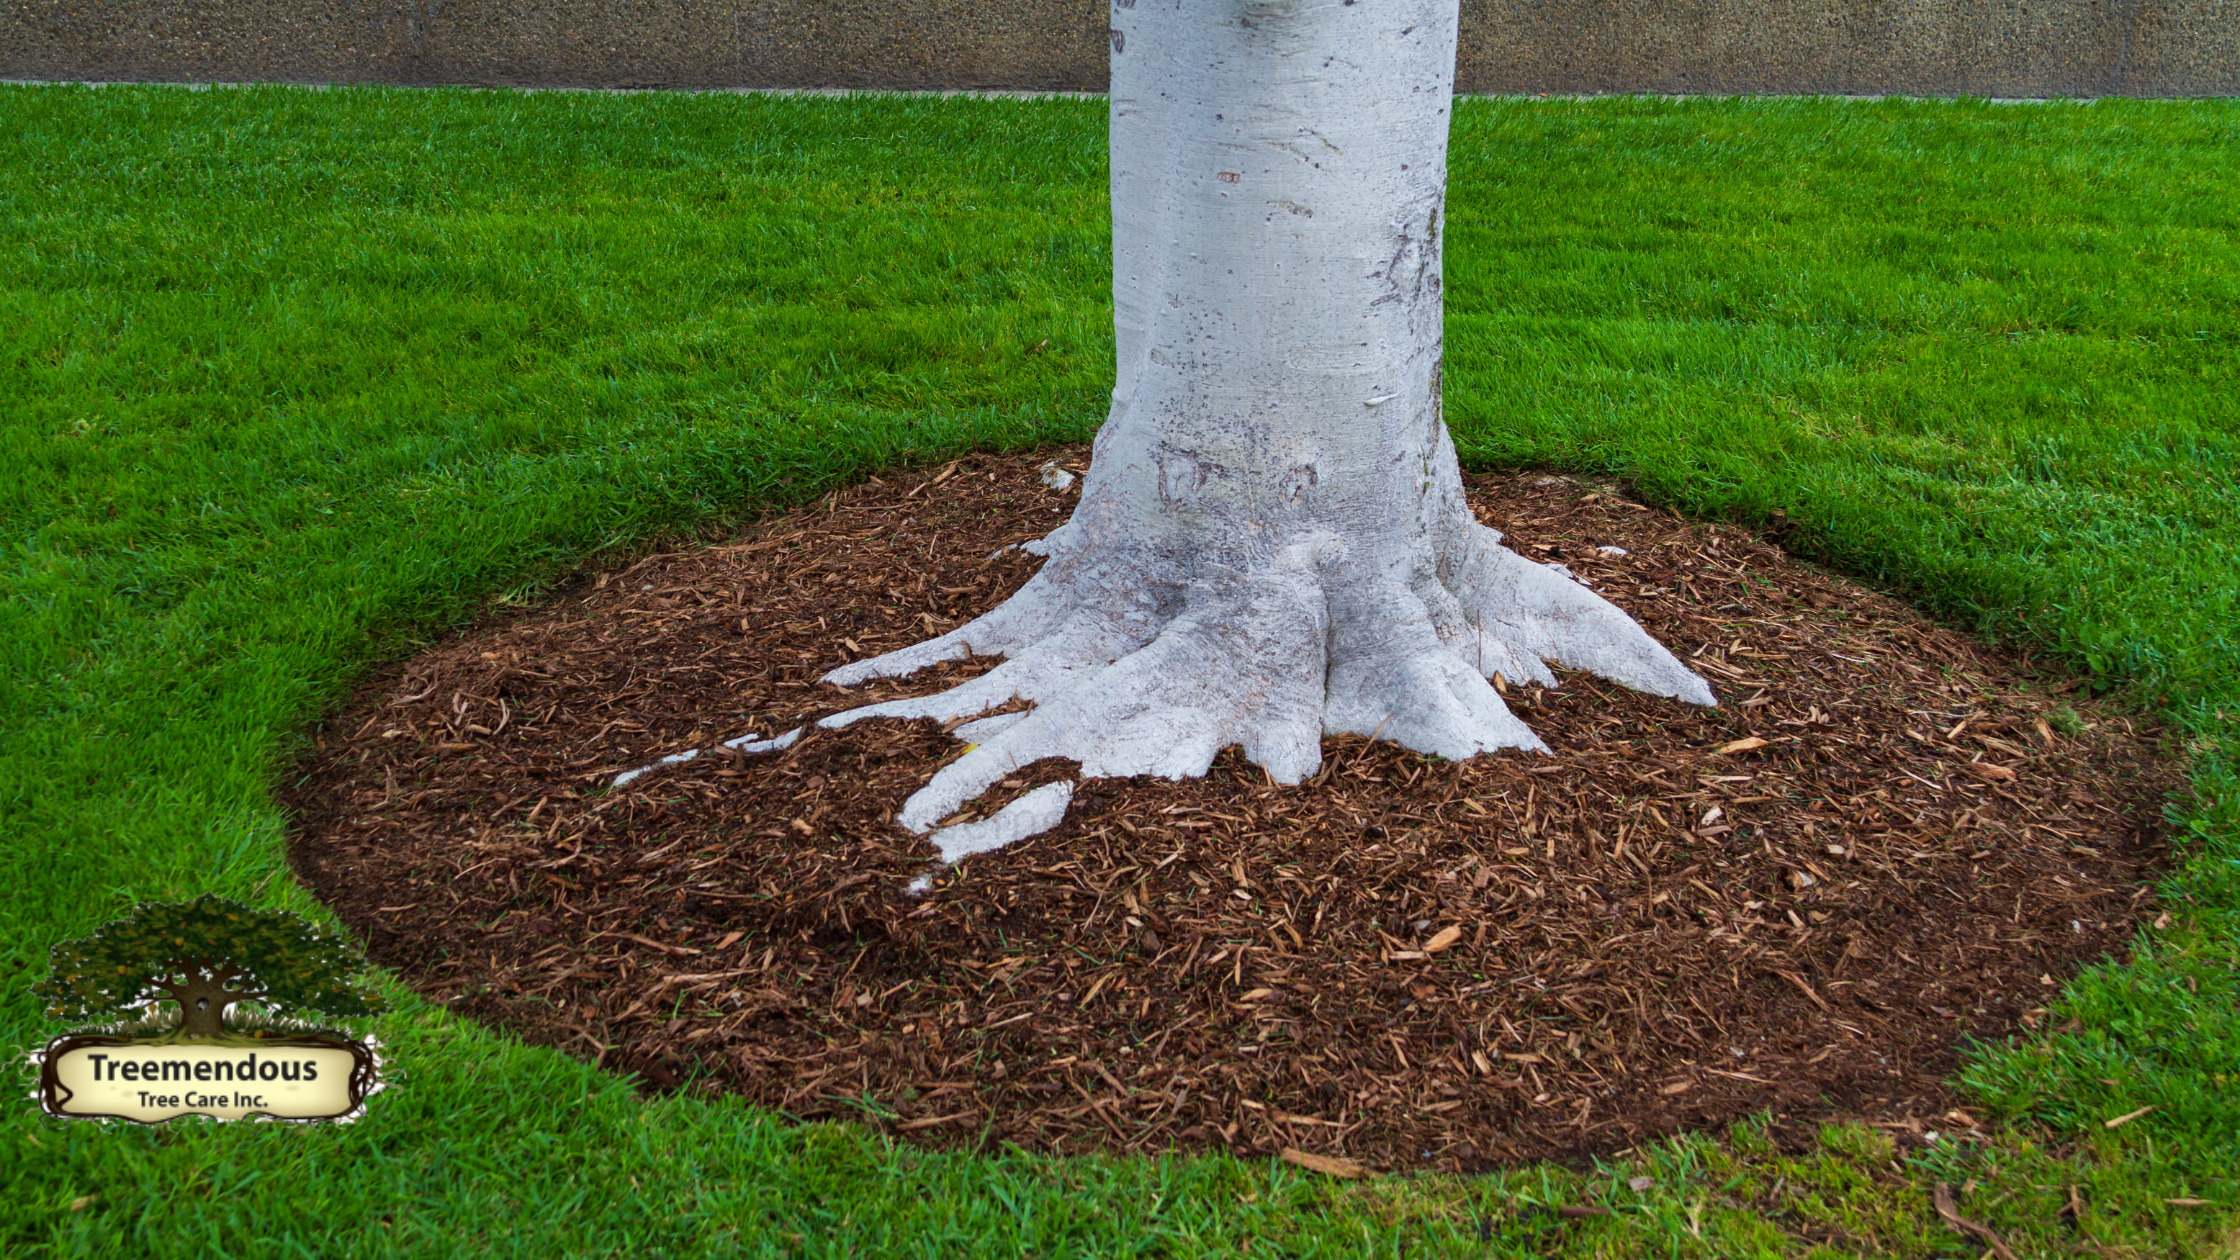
{"type": "Point", "coordinates": [173, 982]}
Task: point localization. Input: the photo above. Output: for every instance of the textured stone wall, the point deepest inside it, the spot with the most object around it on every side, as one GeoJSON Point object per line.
{"type": "Point", "coordinates": [1926, 47]}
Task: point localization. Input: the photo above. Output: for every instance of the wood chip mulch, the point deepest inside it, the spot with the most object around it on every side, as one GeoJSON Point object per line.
{"type": "Point", "coordinates": [1887, 839]}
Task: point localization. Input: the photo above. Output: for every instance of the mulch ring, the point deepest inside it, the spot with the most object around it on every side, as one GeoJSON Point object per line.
{"type": "Point", "coordinates": [1885, 840]}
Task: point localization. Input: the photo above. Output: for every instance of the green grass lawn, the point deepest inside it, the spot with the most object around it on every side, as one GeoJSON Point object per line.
{"type": "Point", "coordinates": [292, 381]}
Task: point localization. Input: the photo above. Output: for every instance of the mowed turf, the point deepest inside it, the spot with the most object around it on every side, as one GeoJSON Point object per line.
{"type": "Point", "coordinates": [293, 380]}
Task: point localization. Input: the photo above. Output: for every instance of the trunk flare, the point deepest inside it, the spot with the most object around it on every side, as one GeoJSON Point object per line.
{"type": "Point", "coordinates": [1272, 543]}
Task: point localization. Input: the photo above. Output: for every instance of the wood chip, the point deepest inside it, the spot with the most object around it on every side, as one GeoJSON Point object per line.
{"type": "Point", "coordinates": [1328, 1165]}
{"type": "Point", "coordinates": [912, 1126]}
{"type": "Point", "coordinates": [1983, 1233]}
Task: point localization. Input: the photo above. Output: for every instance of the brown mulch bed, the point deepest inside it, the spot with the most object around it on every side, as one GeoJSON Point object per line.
{"type": "Point", "coordinates": [1406, 962]}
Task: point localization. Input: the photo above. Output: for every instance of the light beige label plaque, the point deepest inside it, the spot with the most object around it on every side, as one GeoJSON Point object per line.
{"type": "Point", "coordinates": [152, 1083]}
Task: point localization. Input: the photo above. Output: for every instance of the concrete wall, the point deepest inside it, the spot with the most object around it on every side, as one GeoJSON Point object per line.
{"type": "Point", "coordinates": [1925, 47]}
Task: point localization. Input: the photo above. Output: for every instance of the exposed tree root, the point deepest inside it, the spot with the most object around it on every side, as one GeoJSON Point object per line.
{"type": "Point", "coordinates": [1269, 660]}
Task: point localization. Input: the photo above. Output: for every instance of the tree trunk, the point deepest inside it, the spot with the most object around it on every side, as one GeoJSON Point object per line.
{"type": "Point", "coordinates": [202, 1005]}
{"type": "Point", "coordinates": [1272, 542]}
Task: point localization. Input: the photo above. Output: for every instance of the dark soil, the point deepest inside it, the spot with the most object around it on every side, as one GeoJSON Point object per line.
{"type": "Point", "coordinates": [1405, 962]}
